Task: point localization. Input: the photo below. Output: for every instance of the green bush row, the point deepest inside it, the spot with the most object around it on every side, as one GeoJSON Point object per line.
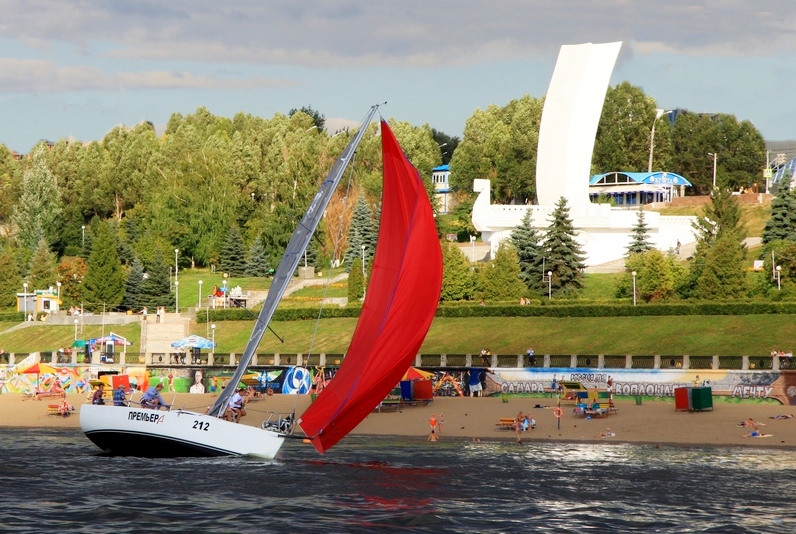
{"type": "Point", "coordinates": [574, 309]}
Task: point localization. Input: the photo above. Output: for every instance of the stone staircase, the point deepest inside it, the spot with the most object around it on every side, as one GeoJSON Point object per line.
{"type": "Point", "coordinates": [157, 337]}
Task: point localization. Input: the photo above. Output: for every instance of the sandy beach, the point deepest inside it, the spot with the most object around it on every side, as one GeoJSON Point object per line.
{"type": "Point", "coordinates": [654, 421]}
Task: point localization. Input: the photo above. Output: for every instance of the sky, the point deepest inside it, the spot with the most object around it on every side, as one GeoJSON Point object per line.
{"type": "Point", "coordinates": [78, 68]}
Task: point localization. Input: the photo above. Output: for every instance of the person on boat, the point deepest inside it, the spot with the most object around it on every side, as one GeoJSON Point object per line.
{"type": "Point", "coordinates": [99, 395]}
{"type": "Point", "coordinates": [120, 396]}
{"type": "Point", "coordinates": [152, 399]}
{"type": "Point", "coordinates": [236, 406]}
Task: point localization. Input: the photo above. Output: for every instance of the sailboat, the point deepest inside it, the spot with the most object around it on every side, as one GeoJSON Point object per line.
{"type": "Point", "coordinates": [397, 312]}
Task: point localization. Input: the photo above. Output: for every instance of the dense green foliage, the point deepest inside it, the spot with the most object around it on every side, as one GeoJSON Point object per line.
{"type": "Point", "coordinates": [499, 279]}
{"type": "Point", "coordinates": [782, 223]}
{"type": "Point", "coordinates": [639, 241]}
{"type": "Point", "coordinates": [564, 255]}
{"type": "Point", "coordinates": [458, 282]}
{"type": "Point", "coordinates": [356, 281]}
{"type": "Point", "coordinates": [104, 280]}
{"type": "Point", "coordinates": [527, 243]}
{"type": "Point", "coordinates": [363, 232]}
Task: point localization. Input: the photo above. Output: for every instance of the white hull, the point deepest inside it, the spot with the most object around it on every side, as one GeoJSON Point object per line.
{"type": "Point", "coordinates": [128, 431]}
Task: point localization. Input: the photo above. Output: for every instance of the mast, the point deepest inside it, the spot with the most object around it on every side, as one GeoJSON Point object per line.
{"type": "Point", "coordinates": [290, 260]}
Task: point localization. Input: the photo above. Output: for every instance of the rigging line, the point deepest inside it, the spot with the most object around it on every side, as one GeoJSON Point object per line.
{"type": "Point", "coordinates": [256, 318]}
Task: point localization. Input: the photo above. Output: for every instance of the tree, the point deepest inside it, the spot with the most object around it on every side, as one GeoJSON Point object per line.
{"type": "Point", "coordinates": [638, 237]}
{"type": "Point", "coordinates": [564, 254]}
{"type": "Point", "coordinates": [38, 211]}
{"type": "Point", "coordinates": [657, 276]}
{"type": "Point", "coordinates": [356, 282]}
{"type": "Point", "coordinates": [527, 242]}
{"type": "Point", "coordinates": [156, 288]}
{"type": "Point", "coordinates": [500, 278]}
{"type": "Point", "coordinates": [457, 276]}
{"type": "Point", "coordinates": [723, 276]}
{"type": "Point", "coordinates": [721, 217]}
{"type": "Point", "coordinates": [71, 272]}
{"type": "Point", "coordinates": [318, 118]}
{"type": "Point", "coordinates": [232, 259]}
{"type": "Point", "coordinates": [42, 271]}
{"type": "Point", "coordinates": [782, 222]}
{"type": "Point", "coordinates": [362, 231]}
{"type": "Point", "coordinates": [10, 279]}
{"type": "Point", "coordinates": [133, 286]}
{"type": "Point", "coordinates": [257, 264]}
{"type": "Point", "coordinates": [624, 130]}
{"type": "Point", "coordinates": [104, 281]}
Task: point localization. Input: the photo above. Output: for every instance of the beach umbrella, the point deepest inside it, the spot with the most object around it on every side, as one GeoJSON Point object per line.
{"type": "Point", "coordinates": [78, 343]}
{"type": "Point", "coordinates": [38, 369]}
{"type": "Point", "coordinates": [413, 373]}
{"type": "Point", "coordinates": [193, 342]}
{"type": "Point", "coordinates": [116, 339]}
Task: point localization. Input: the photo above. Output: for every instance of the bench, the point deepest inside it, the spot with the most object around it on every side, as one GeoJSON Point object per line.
{"type": "Point", "coordinates": [59, 410]}
{"type": "Point", "coordinates": [389, 405]}
{"type": "Point", "coordinates": [505, 423]}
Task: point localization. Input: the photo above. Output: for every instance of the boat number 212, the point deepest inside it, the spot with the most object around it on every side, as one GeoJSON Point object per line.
{"type": "Point", "coordinates": [201, 425]}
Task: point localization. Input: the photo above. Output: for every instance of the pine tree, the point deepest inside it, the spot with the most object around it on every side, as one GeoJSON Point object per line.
{"type": "Point", "coordinates": [233, 255]}
{"type": "Point", "coordinates": [257, 264]}
{"type": "Point", "coordinates": [564, 254]}
{"type": "Point", "coordinates": [782, 222]}
{"type": "Point", "coordinates": [104, 281]}
{"type": "Point", "coordinates": [71, 272]}
{"type": "Point", "coordinates": [10, 279]}
{"type": "Point", "coordinates": [37, 214]}
{"type": "Point", "coordinates": [156, 288]}
{"type": "Point", "coordinates": [134, 286]}
{"type": "Point", "coordinates": [363, 231]}
{"type": "Point", "coordinates": [499, 280]}
{"type": "Point", "coordinates": [356, 282]}
{"type": "Point", "coordinates": [527, 242]}
{"type": "Point", "coordinates": [639, 237]}
{"type": "Point", "coordinates": [42, 270]}
{"type": "Point", "coordinates": [723, 276]}
{"type": "Point", "coordinates": [457, 277]}
{"type": "Point", "coordinates": [722, 216]}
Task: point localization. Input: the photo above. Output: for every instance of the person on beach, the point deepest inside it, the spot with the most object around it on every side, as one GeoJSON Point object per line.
{"type": "Point", "coordinates": [756, 434]}
{"type": "Point", "coordinates": [99, 395]}
{"type": "Point", "coordinates": [152, 399]}
{"type": "Point", "coordinates": [432, 421]}
{"type": "Point", "coordinates": [474, 383]}
{"type": "Point", "coordinates": [518, 427]}
{"type": "Point", "coordinates": [785, 416]}
{"type": "Point", "coordinates": [440, 422]}
{"type": "Point", "coordinates": [433, 436]}
{"type": "Point", "coordinates": [606, 434]}
{"type": "Point", "coordinates": [554, 385]}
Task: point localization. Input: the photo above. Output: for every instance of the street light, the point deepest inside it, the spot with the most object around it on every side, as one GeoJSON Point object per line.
{"type": "Point", "coordinates": [176, 297]}
{"type": "Point", "coordinates": [779, 284]}
{"type": "Point", "coordinates": [75, 329]}
{"type": "Point", "coordinates": [176, 268]}
{"type": "Point", "coordinates": [714, 167]}
{"type": "Point", "coordinates": [549, 285]}
{"type": "Point", "coordinates": [472, 246]}
{"type": "Point", "coordinates": [213, 329]}
{"type": "Point", "coordinates": [25, 300]}
{"type": "Point", "coordinates": [59, 291]}
{"type": "Point", "coordinates": [199, 304]}
{"type": "Point", "coordinates": [634, 287]}
{"type": "Point", "coordinates": [83, 242]}
{"type": "Point", "coordinates": [363, 261]}
{"type": "Point", "coordinates": [658, 114]}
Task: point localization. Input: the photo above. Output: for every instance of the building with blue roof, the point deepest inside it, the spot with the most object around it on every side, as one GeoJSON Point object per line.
{"type": "Point", "coordinates": [635, 188]}
{"type": "Point", "coordinates": [440, 177]}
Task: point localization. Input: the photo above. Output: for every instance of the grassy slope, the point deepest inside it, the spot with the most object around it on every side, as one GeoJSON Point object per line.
{"type": "Point", "coordinates": [752, 335]}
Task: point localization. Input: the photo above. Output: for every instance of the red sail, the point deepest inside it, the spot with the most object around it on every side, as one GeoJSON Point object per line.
{"type": "Point", "coordinates": [399, 306]}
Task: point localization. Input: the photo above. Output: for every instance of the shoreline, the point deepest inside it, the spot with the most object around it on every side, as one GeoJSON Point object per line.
{"type": "Point", "coordinates": [654, 422]}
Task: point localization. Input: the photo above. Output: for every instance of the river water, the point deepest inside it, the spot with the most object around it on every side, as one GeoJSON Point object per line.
{"type": "Point", "coordinates": [56, 481]}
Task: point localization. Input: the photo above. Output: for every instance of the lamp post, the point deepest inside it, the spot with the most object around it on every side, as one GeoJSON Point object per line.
{"type": "Point", "coordinates": [472, 248]}
{"type": "Point", "coordinates": [83, 242]}
{"type": "Point", "coordinates": [363, 261]}
{"type": "Point", "coordinates": [714, 167]}
{"type": "Point", "coordinates": [75, 329]}
{"type": "Point", "coordinates": [199, 303]}
{"type": "Point", "coordinates": [59, 291]}
{"type": "Point", "coordinates": [176, 297]}
{"type": "Point", "coordinates": [213, 330]}
{"type": "Point", "coordinates": [176, 268]}
{"type": "Point", "coordinates": [25, 300]}
{"type": "Point", "coordinates": [549, 285]}
{"type": "Point", "coordinates": [224, 283]}
{"type": "Point", "coordinates": [634, 287]}
{"type": "Point", "coordinates": [658, 114]}
{"type": "Point", "coordinates": [779, 284]}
